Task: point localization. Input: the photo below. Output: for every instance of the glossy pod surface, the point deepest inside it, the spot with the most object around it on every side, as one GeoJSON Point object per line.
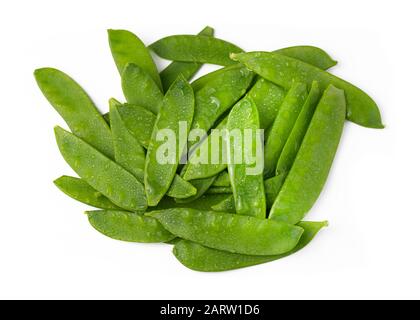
{"type": "Point", "coordinates": [309, 54]}
{"type": "Point", "coordinates": [245, 176]}
{"type": "Point", "coordinates": [128, 226]}
{"type": "Point", "coordinates": [81, 191]}
{"type": "Point", "coordinates": [101, 173]}
{"type": "Point", "coordinates": [199, 48]}
{"type": "Point", "coordinates": [286, 71]}
{"type": "Point", "coordinates": [230, 232]}
{"type": "Point", "coordinates": [201, 258]}
{"type": "Point", "coordinates": [177, 107]}
{"type": "Point", "coordinates": [76, 108]}
{"type": "Point", "coordinates": [310, 170]}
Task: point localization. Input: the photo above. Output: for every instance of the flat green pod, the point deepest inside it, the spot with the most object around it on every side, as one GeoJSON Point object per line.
{"type": "Point", "coordinates": [222, 180]}
{"type": "Point", "coordinates": [230, 232]}
{"type": "Point", "coordinates": [205, 202]}
{"type": "Point", "coordinates": [311, 167]}
{"type": "Point", "coordinates": [128, 151]}
{"type": "Point", "coordinates": [226, 205]}
{"type": "Point", "coordinates": [286, 71]}
{"type": "Point", "coordinates": [202, 185]}
{"type": "Point", "coordinates": [181, 189]}
{"type": "Point", "coordinates": [201, 258]}
{"type": "Point", "coordinates": [81, 191]}
{"type": "Point", "coordinates": [177, 107]}
{"type": "Point", "coordinates": [309, 54]}
{"type": "Point", "coordinates": [246, 173]}
{"type": "Point", "coordinates": [186, 69]}
{"type": "Point", "coordinates": [140, 89]}
{"type": "Point", "coordinates": [128, 226]}
{"type": "Point", "coordinates": [76, 108]}
{"type": "Point", "coordinates": [195, 48]}
{"type": "Point", "coordinates": [127, 48]}
{"type": "Point", "coordinates": [217, 190]}
{"type": "Point", "coordinates": [283, 126]}
{"type": "Point", "coordinates": [101, 173]}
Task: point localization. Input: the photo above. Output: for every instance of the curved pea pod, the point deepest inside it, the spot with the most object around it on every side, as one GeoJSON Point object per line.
{"type": "Point", "coordinates": [245, 159]}
{"type": "Point", "coordinates": [309, 54]}
{"type": "Point", "coordinates": [282, 126]}
{"type": "Point", "coordinates": [201, 185]}
{"type": "Point", "coordinates": [101, 173]}
{"type": "Point", "coordinates": [218, 190]}
{"type": "Point", "coordinates": [127, 48]}
{"type": "Point", "coordinates": [198, 48]}
{"type": "Point", "coordinates": [212, 164]}
{"type": "Point", "coordinates": [81, 191]}
{"type": "Point", "coordinates": [294, 141]}
{"type": "Point", "coordinates": [201, 258]}
{"type": "Point", "coordinates": [128, 226]}
{"type": "Point", "coordinates": [181, 189]}
{"type": "Point", "coordinates": [140, 89]}
{"type": "Point", "coordinates": [310, 170]}
{"type": "Point", "coordinates": [268, 98]}
{"type": "Point", "coordinates": [165, 146]}
{"type": "Point", "coordinates": [128, 151]}
{"type": "Point", "coordinates": [205, 202]}
{"type": "Point", "coordinates": [186, 69]}
{"type": "Point", "coordinates": [139, 121]}
{"type": "Point", "coordinates": [222, 180]}
{"type": "Point", "coordinates": [230, 232]}
{"type": "Point", "coordinates": [76, 108]}
{"type": "Point", "coordinates": [286, 71]}
{"type": "Point", "coordinates": [218, 95]}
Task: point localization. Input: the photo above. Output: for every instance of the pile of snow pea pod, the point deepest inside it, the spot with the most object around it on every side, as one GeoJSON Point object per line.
{"type": "Point", "coordinates": [216, 215]}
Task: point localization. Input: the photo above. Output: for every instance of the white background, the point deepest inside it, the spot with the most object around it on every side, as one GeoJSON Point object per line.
{"type": "Point", "coordinates": [370, 250]}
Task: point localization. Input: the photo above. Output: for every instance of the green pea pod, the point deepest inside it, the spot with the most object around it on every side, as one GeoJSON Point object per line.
{"type": "Point", "coordinates": [219, 95]}
{"type": "Point", "coordinates": [309, 54]}
{"type": "Point", "coordinates": [285, 71]}
{"type": "Point", "coordinates": [205, 202]}
{"type": "Point", "coordinates": [139, 121]}
{"type": "Point", "coordinates": [222, 180]}
{"type": "Point", "coordinates": [187, 69]}
{"type": "Point", "coordinates": [218, 190]}
{"type": "Point", "coordinates": [245, 175]}
{"type": "Point", "coordinates": [127, 48]}
{"type": "Point", "coordinates": [76, 108]}
{"type": "Point", "coordinates": [181, 189]}
{"type": "Point", "coordinates": [128, 151]}
{"type": "Point", "coordinates": [202, 185]}
{"type": "Point", "coordinates": [230, 232]}
{"type": "Point", "coordinates": [128, 226]}
{"type": "Point", "coordinates": [101, 173]}
{"type": "Point", "coordinates": [177, 108]}
{"type": "Point", "coordinates": [294, 141]}
{"type": "Point", "coordinates": [268, 98]}
{"type": "Point", "coordinates": [196, 169]}
{"type": "Point", "coordinates": [314, 159]}
{"type": "Point", "coordinates": [282, 126]}
{"type": "Point", "coordinates": [201, 258]}
{"type": "Point", "coordinates": [140, 89]}
{"type": "Point", "coordinates": [226, 205]}
{"type": "Point", "coordinates": [81, 191]}
{"type": "Point", "coordinates": [190, 48]}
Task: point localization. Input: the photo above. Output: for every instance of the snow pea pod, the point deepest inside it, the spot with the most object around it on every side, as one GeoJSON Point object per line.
{"type": "Point", "coordinates": [128, 151]}
{"type": "Point", "coordinates": [198, 48]}
{"type": "Point", "coordinates": [202, 185]}
{"type": "Point", "coordinates": [181, 189]}
{"type": "Point", "coordinates": [139, 121]}
{"type": "Point", "coordinates": [80, 190]}
{"type": "Point", "coordinates": [294, 141]}
{"type": "Point", "coordinates": [314, 159]}
{"type": "Point", "coordinates": [230, 232]}
{"type": "Point", "coordinates": [76, 108]}
{"type": "Point", "coordinates": [177, 107]}
{"type": "Point", "coordinates": [101, 173]}
{"type": "Point", "coordinates": [309, 54]}
{"type": "Point", "coordinates": [247, 186]}
{"type": "Point", "coordinates": [127, 48]}
{"type": "Point", "coordinates": [282, 126]}
{"type": "Point", "coordinates": [140, 89]}
{"type": "Point", "coordinates": [286, 71]}
{"type": "Point", "coordinates": [128, 226]}
{"type": "Point", "coordinates": [201, 258]}
{"type": "Point", "coordinates": [205, 202]}
{"type": "Point", "coordinates": [222, 180]}
{"type": "Point", "coordinates": [226, 205]}
{"type": "Point", "coordinates": [187, 69]}
{"type": "Point", "coordinates": [218, 190]}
